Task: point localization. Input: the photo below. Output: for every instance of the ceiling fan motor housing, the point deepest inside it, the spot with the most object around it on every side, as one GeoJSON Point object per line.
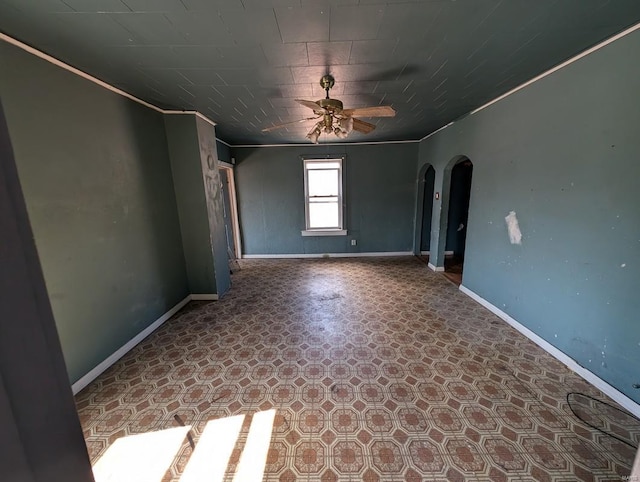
{"type": "Point", "coordinates": [332, 105]}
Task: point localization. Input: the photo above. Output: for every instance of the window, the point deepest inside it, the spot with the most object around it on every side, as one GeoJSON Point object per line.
{"type": "Point", "coordinates": [323, 197]}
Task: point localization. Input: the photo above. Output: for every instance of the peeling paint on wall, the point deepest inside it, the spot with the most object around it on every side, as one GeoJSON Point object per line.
{"type": "Point", "coordinates": [515, 236]}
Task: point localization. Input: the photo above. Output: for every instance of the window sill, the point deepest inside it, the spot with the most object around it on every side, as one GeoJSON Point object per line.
{"type": "Point", "coordinates": [325, 232]}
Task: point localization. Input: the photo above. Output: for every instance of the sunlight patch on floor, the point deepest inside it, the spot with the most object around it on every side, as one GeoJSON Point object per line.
{"type": "Point", "coordinates": [140, 458]}
{"type": "Point", "coordinates": [211, 456]}
{"type": "Point", "coordinates": [147, 457]}
{"type": "Point", "coordinates": [254, 455]}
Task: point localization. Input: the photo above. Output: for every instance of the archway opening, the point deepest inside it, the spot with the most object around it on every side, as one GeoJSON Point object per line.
{"type": "Point", "coordinates": [424, 239]}
{"type": "Point", "coordinates": [457, 219]}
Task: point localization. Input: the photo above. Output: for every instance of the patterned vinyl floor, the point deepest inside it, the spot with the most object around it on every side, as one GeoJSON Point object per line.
{"type": "Point", "coordinates": [378, 370]}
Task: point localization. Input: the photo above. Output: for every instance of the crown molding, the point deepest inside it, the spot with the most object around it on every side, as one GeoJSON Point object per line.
{"type": "Point", "coordinates": [95, 80]}
{"type": "Point", "coordinates": [562, 65]}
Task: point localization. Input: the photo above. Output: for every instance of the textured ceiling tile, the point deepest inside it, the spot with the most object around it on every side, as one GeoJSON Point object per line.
{"type": "Point", "coordinates": [283, 55]}
{"type": "Point", "coordinates": [432, 60]}
{"type": "Point", "coordinates": [409, 20]}
{"type": "Point", "coordinates": [85, 25]}
{"type": "Point", "coordinates": [303, 24]}
{"type": "Point", "coordinates": [318, 92]}
{"type": "Point", "coordinates": [342, 73]}
{"type": "Point", "coordinates": [237, 76]}
{"type": "Point", "coordinates": [239, 57]}
{"type": "Point", "coordinates": [384, 2]}
{"type": "Point", "coordinates": [328, 53]}
{"type": "Point", "coordinates": [143, 56]}
{"type": "Point", "coordinates": [251, 26]}
{"type": "Point", "coordinates": [268, 76]}
{"type": "Point", "coordinates": [373, 51]}
{"type": "Point", "coordinates": [97, 6]}
{"type": "Point", "coordinates": [308, 74]}
{"type": "Point", "coordinates": [42, 6]}
{"type": "Point", "coordinates": [328, 3]}
{"type": "Point", "coordinates": [155, 5]}
{"type": "Point", "coordinates": [199, 28]}
{"type": "Point", "coordinates": [166, 76]}
{"type": "Point", "coordinates": [202, 76]}
{"type": "Point", "coordinates": [365, 87]}
{"type": "Point", "coordinates": [356, 23]}
{"type": "Point", "coordinates": [249, 4]}
{"type": "Point", "coordinates": [149, 28]}
{"type": "Point", "coordinates": [298, 91]}
{"type": "Point", "coordinates": [44, 30]}
{"type": "Point", "coordinates": [209, 5]}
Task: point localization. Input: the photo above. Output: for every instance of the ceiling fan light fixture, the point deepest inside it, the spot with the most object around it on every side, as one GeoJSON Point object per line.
{"type": "Point", "coordinates": [314, 133]}
{"type": "Point", "coordinates": [340, 134]}
{"type": "Point", "coordinates": [346, 125]}
{"type": "Point", "coordinates": [335, 118]}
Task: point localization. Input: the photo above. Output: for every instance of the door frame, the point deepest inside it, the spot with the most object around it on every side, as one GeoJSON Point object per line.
{"type": "Point", "coordinates": [235, 221]}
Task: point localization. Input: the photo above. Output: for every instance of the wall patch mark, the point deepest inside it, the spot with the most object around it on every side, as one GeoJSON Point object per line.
{"type": "Point", "coordinates": [515, 236]}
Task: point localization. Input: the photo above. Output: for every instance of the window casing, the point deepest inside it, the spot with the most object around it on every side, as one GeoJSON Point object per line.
{"type": "Point", "coordinates": [323, 197]}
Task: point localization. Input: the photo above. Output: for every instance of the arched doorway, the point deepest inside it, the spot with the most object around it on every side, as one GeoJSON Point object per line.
{"type": "Point", "coordinates": [457, 218]}
{"type": "Point", "coordinates": [426, 180]}
{"type": "Point", "coordinates": [423, 228]}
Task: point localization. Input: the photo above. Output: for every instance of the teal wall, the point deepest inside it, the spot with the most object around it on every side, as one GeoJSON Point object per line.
{"type": "Point", "coordinates": [563, 154]}
{"type": "Point", "coordinates": [214, 203]}
{"type": "Point", "coordinates": [184, 151]}
{"type": "Point", "coordinates": [379, 195]}
{"type": "Point", "coordinates": [96, 177]}
{"type": "Point", "coordinates": [224, 152]}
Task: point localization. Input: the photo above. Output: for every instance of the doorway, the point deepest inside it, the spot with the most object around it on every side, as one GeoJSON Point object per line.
{"type": "Point", "coordinates": [425, 210]}
{"type": "Point", "coordinates": [457, 219]}
{"type": "Point", "coordinates": [229, 202]}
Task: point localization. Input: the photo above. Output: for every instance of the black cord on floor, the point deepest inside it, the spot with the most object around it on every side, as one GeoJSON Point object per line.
{"type": "Point", "coordinates": [598, 428]}
{"type": "Point", "coordinates": [531, 392]}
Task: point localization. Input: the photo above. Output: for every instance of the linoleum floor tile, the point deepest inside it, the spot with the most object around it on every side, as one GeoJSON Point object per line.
{"type": "Point", "coordinates": [377, 370]}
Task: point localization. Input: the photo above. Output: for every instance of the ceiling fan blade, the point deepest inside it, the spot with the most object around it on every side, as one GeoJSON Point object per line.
{"type": "Point", "coordinates": [377, 111]}
{"type": "Point", "coordinates": [278, 126]}
{"type": "Point", "coordinates": [362, 126]}
{"type": "Point", "coordinates": [311, 105]}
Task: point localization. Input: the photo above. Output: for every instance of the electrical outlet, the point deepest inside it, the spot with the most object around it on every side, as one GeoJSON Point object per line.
{"type": "Point", "coordinates": [353, 242]}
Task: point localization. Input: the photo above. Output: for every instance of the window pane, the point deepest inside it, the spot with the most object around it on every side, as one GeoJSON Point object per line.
{"type": "Point", "coordinates": [323, 165]}
{"type": "Point", "coordinates": [323, 215]}
{"type": "Point", "coordinates": [323, 183]}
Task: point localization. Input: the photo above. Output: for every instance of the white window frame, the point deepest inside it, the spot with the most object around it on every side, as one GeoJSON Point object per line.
{"type": "Point", "coordinates": [340, 230]}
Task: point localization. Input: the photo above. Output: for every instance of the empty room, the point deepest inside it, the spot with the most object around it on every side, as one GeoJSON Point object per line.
{"type": "Point", "coordinates": [332, 240]}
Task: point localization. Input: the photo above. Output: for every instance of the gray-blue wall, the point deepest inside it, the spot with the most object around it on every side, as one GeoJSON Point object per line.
{"type": "Point", "coordinates": [186, 167]}
{"type": "Point", "coordinates": [224, 152]}
{"type": "Point", "coordinates": [563, 154]}
{"type": "Point", "coordinates": [214, 204]}
{"type": "Point", "coordinates": [96, 177]}
{"type": "Point", "coordinates": [379, 196]}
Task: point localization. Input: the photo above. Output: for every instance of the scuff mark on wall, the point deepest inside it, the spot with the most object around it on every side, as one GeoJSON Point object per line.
{"type": "Point", "coordinates": [515, 236]}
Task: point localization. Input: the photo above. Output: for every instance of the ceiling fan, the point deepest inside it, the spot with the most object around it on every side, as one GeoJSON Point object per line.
{"type": "Point", "coordinates": [334, 118]}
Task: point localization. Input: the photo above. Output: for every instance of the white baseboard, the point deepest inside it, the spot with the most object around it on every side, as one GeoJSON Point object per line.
{"type": "Point", "coordinates": [124, 349]}
{"type": "Point", "coordinates": [327, 255]}
{"type": "Point", "coordinates": [446, 253]}
{"type": "Point", "coordinates": [562, 357]}
{"type": "Point", "coordinates": [437, 269]}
